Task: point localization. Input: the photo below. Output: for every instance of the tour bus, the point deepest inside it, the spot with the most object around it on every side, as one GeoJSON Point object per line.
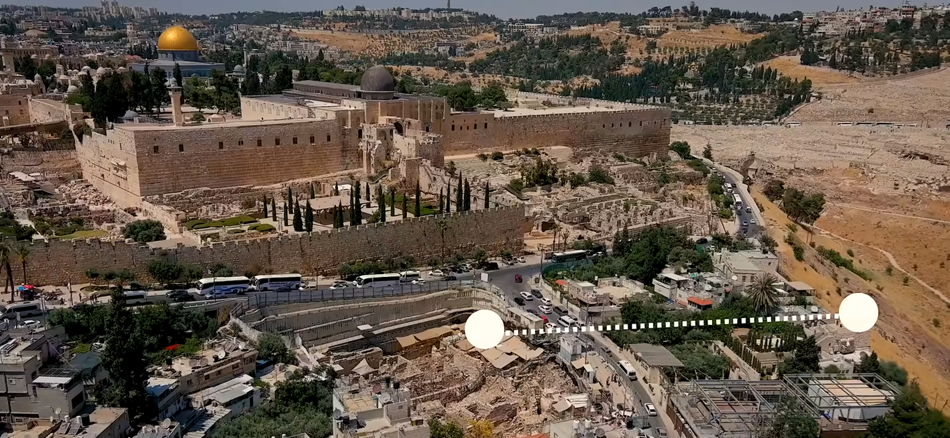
{"type": "Point", "coordinates": [136, 297]}
{"type": "Point", "coordinates": [377, 280]}
{"type": "Point", "coordinates": [279, 282]}
{"type": "Point", "coordinates": [569, 256]}
{"type": "Point", "coordinates": [217, 286]}
{"type": "Point", "coordinates": [409, 276]}
{"type": "Point", "coordinates": [33, 308]}
{"type": "Point", "coordinates": [738, 200]}
{"type": "Point", "coordinates": [628, 370]}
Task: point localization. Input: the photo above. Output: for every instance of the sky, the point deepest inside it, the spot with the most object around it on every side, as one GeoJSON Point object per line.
{"type": "Point", "coordinates": [501, 8]}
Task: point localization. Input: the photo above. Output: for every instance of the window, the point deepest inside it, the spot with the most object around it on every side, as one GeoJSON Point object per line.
{"type": "Point", "coordinates": [260, 142]}
{"type": "Point", "coordinates": [604, 125]}
{"type": "Point", "coordinates": [641, 123]}
{"type": "Point", "coordinates": [328, 138]}
{"type": "Point", "coordinates": [359, 133]}
{"type": "Point", "coordinates": [207, 376]}
{"type": "Point", "coordinates": [154, 149]}
{"type": "Point", "coordinates": [220, 145]}
{"type": "Point", "coordinates": [475, 126]}
{"type": "Point", "coordinates": [313, 139]}
{"type": "Point", "coordinates": [453, 127]}
{"type": "Point", "coordinates": [486, 126]}
{"type": "Point", "coordinates": [611, 125]}
{"type": "Point", "coordinates": [277, 141]}
{"type": "Point", "coordinates": [181, 148]}
{"type": "Point", "coordinates": [295, 140]}
{"type": "Point", "coordinates": [427, 128]}
{"type": "Point", "coordinates": [240, 142]}
{"type": "Point", "coordinates": [629, 124]}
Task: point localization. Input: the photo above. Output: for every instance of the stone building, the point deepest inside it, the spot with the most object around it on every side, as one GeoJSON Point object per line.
{"type": "Point", "coordinates": [319, 128]}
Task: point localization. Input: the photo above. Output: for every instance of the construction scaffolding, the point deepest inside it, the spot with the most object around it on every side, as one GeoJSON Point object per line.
{"type": "Point", "coordinates": [843, 402]}
{"type": "Point", "coordinates": [728, 408]}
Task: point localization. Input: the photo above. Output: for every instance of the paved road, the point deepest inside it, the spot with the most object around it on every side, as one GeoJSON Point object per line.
{"type": "Point", "coordinates": [742, 215]}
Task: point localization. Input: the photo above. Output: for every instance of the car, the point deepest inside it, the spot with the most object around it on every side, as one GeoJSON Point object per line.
{"type": "Point", "coordinates": [661, 433]}
{"type": "Point", "coordinates": [519, 259]}
{"type": "Point", "coordinates": [436, 273]}
{"type": "Point", "coordinates": [752, 221]}
{"type": "Point", "coordinates": [420, 282]}
{"type": "Point", "coordinates": [550, 326]}
{"type": "Point", "coordinates": [560, 310]}
{"type": "Point", "coordinates": [537, 293]}
{"type": "Point", "coordinates": [745, 231]}
{"type": "Point", "coordinates": [544, 319]}
{"type": "Point", "coordinates": [172, 294]}
{"type": "Point", "coordinates": [745, 223]}
{"type": "Point", "coordinates": [341, 285]}
{"type": "Point", "coordinates": [519, 301]}
{"type": "Point", "coordinates": [518, 278]}
{"type": "Point", "coordinates": [545, 309]}
{"type": "Point", "coordinates": [533, 312]}
{"type": "Point", "coordinates": [449, 278]}
{"type": "Point", "coordinates": [31, 324]}
{"type": "Point", "coordinates": [527, 296]}
{"type": "Point", "coordinates": [651, 410]}
{"type": "Point", "coordinates": [183, 297]}
{"type": "Point", "coordinates": [546, 302]}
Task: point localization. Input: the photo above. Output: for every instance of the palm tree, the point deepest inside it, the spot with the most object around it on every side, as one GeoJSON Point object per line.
{"type": "Point", "coordinates": [5, 263]}
{"type": "Point", "coordinates": [763, 294]}
{"type": "Point", "coordinates": [22, 253]}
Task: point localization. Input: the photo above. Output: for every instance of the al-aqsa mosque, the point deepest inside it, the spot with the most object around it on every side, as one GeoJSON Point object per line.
{"type": "Point", "coordinates": [177, 46]}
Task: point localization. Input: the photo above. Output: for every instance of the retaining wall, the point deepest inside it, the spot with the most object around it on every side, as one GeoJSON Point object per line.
{"type": "Point", "coordinates": [493, 230]}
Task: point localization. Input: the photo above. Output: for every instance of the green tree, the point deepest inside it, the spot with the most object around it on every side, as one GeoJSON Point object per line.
{"type": "Point", "coordinates": [763, 294]}
{"type": "Point", "coordinates": [791, 421]}
{"type": "Point", "coordinates": [441, 202]}
{"type": "Point", "coordinates": [805, 359]}
{"type": "Point", "coordinates": [868, 364]}
{"type": "Point", "coordinates": [144, 231]}
{"type": "Point", "coordinates": [467, 197]}
{"type": "Point", "coordinates": [910, 416]}
{"type": "Point", "coordinates": [290, 196]}
{"type": "Point", "coordinates": [382, 204]}
{"type": "Point", "coordinates": [392, 201]}
{"type": "Point", "coordinates": [405, 206]}
{"type": "Point", "coordinates": [298, 221]}
{"type": "Point", "coordinates": [768, 242]}
{"type": "Point", "coordinates": [286, 222]}
{"type": "Point", "coordinates": [338, 221]}
{"type": "Point", "coordinates": [176, 73]}
{"type": "Point", "coordinates": [352, 210]}
{"type": "Point", "coordinates": [774, 190]}
{"type": "Point", "coordinates": [707, 152]}
{"type": "Point", "coordinates": [164, 271]}
{"type": "Point", "coordinates": [448, 198]}
{"type": "Point", "coordinates": [312, 194]}
{"type": "Point", "coordinates": [22, 254]}
{"type": "Point", "coordinates": [124, 359]}
{"type": "Point", "coordinates": [158, 79]}
{"type": "Point", "coordinates": [308, 218]}
{"type": "Point", "coordinates": [272, 346]}
{"type": "Point", "coordinates": [682, 149]}
{"type": "Point", "coordinates": [418, 210]}
{"type": "Point", "coordinates": [265, 207]}
{"type": "Point", "coordinates": [273, 209]}
{"type": "Point", "coordinates": [459, 196]}
{"type": "Point", "coordinates": [801, 207]}
{"type": "Point", "coordinates": [451, 429]}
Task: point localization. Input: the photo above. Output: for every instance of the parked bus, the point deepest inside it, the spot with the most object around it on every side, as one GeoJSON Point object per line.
{"type": "Point", "coordinates": [279, 282]}
{"type": "Point", "coordinates": [738, 200]}
{"type": "Point", "coordinates": [569, 256]}
{"type": "Point", "coordinates": [377, 280]}
{"type": "Point", "coordinates": [33, 308]}
{"type": "Point", "coordinates": [216, 286]}
{"type": "Point", "coordinates": [409, 276]}
{"type": "Point", "coordinates": [628, 370]}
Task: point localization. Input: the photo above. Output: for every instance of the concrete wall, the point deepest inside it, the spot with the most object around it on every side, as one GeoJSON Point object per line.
{"type": "Point", "coordinates": [493, 230]}
{"type": "Point", "coordinates": [635, 133]}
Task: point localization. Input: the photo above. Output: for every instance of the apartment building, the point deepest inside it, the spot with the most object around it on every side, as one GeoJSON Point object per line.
{"type": "Point", "coordinates": [32, 391]}
{"type": "Point", "coordinates": [210, 367]}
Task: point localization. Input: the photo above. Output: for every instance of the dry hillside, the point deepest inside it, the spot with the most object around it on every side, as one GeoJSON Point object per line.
{"type": "Point", "coordinates": [819, 76]}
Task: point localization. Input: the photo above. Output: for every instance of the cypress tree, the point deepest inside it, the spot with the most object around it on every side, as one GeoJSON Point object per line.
{"type": "Point", "coordinates": [382, 204]}
{"type": "Point", "coordinates": [286, 222]}
{"type": "Point", "coordinates": [352, 209]}
{"type": "Point", "coordinates": [308, 218]}
{"type": "Point", "coordinates": [405, 207]}
{"type": "Point", "coordinates": [441, 205]}
{"type": "Point", "coordinates": [368, 198]}
{"type": "Point", "coordinates": [392, 201]}
{"type": "Point", "coordinates": [336, 189]}
{"type": "Point", "coordinates": [459, 202]}
{"type": "Point", "coordinates": [448, 198]}
{"type": "Point", "coordinates": [265, 207]}
{"type": "Point", "coordinates": [298, 221]}
{"type": "Point", "coordinates": [467, 197]}
{"type": "Point", "coordinates": [487, 191]}
{"type": "Point", "coordinates": [290, 196]}
{"type": "Point", "coordinates": [338, 221]}
{"type": "Point", "coordinates": [311, 191]}
{"type": "Point", "coordinates": [358, 196]}
{"type": "Point", "coordinates": [273, 209]}
{"type": "Point", "coordinates": [418, 200]}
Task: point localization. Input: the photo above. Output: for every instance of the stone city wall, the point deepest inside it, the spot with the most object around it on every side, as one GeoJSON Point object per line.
{"type": "Point", "coordinates": [634, 133]}
{"type": "Point", "coordinates": [492, 230]}
{"type": "Point", "coordinates": [32, 161]}
{"type": "Point", "coordinates": [514, 95]}
{"type": "Point", "coordinates": [48, 111]}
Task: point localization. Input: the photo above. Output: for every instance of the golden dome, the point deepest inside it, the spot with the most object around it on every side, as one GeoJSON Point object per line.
{"type": "Point", "coordinates": [177, 38]}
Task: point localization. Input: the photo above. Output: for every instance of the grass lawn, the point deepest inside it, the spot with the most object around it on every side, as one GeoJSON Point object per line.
{"type": "Point", "coordinates": [83, 234]}
{"type": "Point", "coordinates": [426, 209]}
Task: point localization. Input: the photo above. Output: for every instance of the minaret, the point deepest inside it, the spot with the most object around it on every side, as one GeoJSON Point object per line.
{"type": "Point", "coordinates": [448, 4]}
{"type": "Point", "coordinates": [175, 92]}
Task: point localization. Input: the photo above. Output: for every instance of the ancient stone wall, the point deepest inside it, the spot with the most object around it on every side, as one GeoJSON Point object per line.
{"type": "Point", "coordinates": [492, 230]}
{"type": "Point", "coordinates": [32, 161]}
{"type": "Point", "coordinates": [47, 111]}
{"type": "Point", "coordinates": [635, 133]}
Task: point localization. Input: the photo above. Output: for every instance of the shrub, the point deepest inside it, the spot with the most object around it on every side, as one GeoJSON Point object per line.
{"type": "Point", "coordinates": [799, 253]}
{"type": "Point", "coordinates": [143, 231]}
{"type": "Point", "coordinates": [214, 224]}
{"type": "Point", "coordinates": [263, 228]}
{"type": "Point", "coordinates": [191, 224]}
{"type": "Point", "coordinates": [238, 220]}
{"type": "Point", "coordinates": [497, 156]}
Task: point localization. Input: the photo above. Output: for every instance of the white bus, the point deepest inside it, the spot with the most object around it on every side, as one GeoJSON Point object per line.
{"type": "Point", "coordinates": [279, 282]}
{"type": "Point", "coordinates": [409, 276]}
{"type": "Point", "coordinates": [136, 297]}
{"type": "Point", "coordinates": [628, 370]}
{"type": "Point", "coordinates": [569, 256]}
{"type": "Point", "coordinates": [737, 200]}
{"type": "Point", "coordinates": [377, 280]}
{"type": "Point", "coordinates": [216, 286]}
{"type": "Point", "coordinates": [32, 308]}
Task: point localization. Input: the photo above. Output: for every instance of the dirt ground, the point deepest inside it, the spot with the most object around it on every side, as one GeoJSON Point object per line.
{"type": "Point", "coordinates": [919, 97]}
{"type": "Point", "coordinates": [819, 76]}
{"type": "Point", "coordinates": [713, 36]}
{"type": "Point", "coordinates": [906, 332]}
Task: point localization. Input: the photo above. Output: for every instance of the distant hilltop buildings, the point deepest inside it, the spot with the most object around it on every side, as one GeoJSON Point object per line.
{"type": "Point", "coordinates": [403, 13]}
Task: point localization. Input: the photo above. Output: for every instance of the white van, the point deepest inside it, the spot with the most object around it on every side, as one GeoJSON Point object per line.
{"type": "Point", "coordinates": [566, 321]}
{"type": "Point", "coordinates": [409, 276]}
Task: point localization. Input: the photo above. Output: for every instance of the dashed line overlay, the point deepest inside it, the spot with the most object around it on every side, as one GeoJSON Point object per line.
{"type": "Point", "coordinates": [672, 324]}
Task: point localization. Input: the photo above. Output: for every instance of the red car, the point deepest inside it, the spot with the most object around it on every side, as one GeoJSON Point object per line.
{"type": "Point", "coordinates": [518, 278]}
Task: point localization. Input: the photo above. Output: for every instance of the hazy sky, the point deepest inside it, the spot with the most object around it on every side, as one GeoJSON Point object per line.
{"type": "Point", "coordinates": [500, 8]}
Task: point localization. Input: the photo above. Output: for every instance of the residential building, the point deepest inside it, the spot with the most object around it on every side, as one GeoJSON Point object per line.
{"type": "Point", "coordinates": [236, 395]}
{"type": "Point", "coordinates": [385, 414]}
{"type": "Point", "coordinates": [31, 391]}
{"type": "Point", "coordinates": [672, 286]}
{"type": "Point", "coordinates": [211, 367]}
{"type": "Point", "coordinates": [166, 395]}
{"type": "Point", "coordinates": [737, 267]}
{"type": "Point", "coordinates": [101, 423]}
{"type": "Point", "coordinates": [167, 429]}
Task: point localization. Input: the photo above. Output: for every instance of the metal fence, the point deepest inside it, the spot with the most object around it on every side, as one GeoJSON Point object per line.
{"type": "Point", "coordinates": [260, 300]}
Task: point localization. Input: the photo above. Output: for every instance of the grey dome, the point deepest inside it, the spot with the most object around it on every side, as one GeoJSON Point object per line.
{"type": "Point", "coordinates": [129, 115]}
{"type": "Point", "coordinates": [72, 89]}
{"type": "Point", "coordinates": [377, 79]}
{"type": "Point", "coordinates": [239, 68]}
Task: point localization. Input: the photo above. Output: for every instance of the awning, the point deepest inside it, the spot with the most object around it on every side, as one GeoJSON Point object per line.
{"type": "Point", "coordinates": [363, 368]}
{"type": "Point", "coordinates": [52, 380]}
{"type": "Point", "coordinates": [503, 361]}
{"type": "Point", "coordinates": [491, 354]}
{"type": "Point", "coordinates": [700, 301]}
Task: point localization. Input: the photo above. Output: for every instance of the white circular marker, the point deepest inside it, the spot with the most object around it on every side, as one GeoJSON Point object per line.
{"type": "Point", "coordinates": [858, 313]}
{"type": "Point", "coordinates": [484, 329]}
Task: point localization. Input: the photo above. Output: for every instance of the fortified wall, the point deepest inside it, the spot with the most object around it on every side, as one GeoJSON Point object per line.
{"type": "Point", "coordinates": [493, 230]}
{"type": "Point", "coordinates": [635, 132]}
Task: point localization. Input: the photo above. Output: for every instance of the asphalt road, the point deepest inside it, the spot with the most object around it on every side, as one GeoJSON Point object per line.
{"type": "Point", "coordinates": [753, 229]}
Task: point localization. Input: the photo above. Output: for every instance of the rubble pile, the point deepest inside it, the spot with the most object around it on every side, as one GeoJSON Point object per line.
{"type": "Point", "coordinates": [82, 192]}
